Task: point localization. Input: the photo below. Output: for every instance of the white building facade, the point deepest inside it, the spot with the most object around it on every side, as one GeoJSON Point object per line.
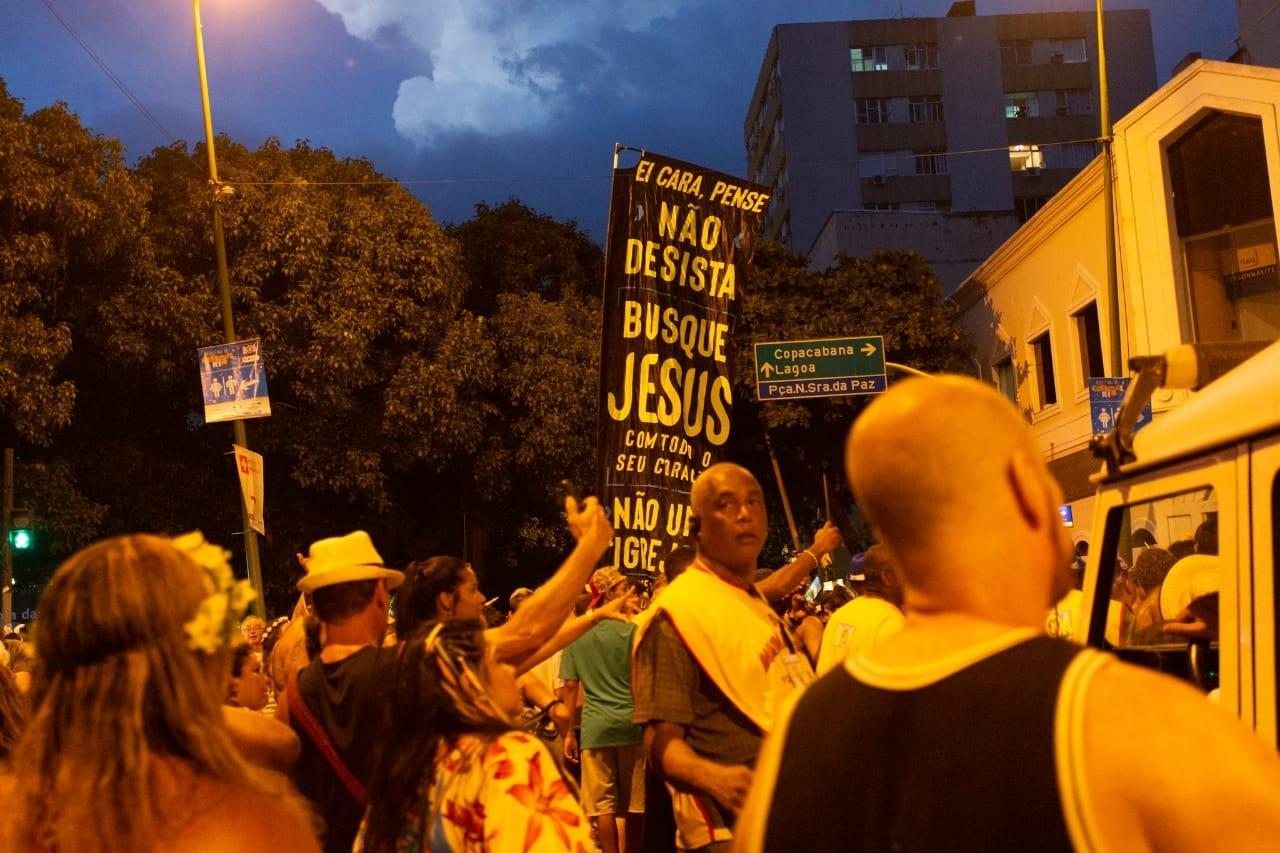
{"type": "Point", "coordinates": [1197, 179]}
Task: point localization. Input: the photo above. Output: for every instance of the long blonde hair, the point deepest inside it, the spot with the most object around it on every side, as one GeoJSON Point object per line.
{"type": "Point", "coordinates": [116, 684]}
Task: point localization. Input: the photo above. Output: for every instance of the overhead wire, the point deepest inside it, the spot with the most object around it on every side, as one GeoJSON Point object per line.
{"type": "Point", "coordinates": [106, 69]}
{"type": "Point", "coordinates": [1235, 43]}
{"type": "Point", "coordinates": [301, 183]}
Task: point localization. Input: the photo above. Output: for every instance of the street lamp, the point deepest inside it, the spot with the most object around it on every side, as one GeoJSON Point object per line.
{"type": "Point", "coordinates": [219, 192]}
{"type": "Point", "coordinates": [1108, 201]}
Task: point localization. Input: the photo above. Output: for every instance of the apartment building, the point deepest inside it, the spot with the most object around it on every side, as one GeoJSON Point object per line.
{"type": "Point", "coordinates": [965, 113]}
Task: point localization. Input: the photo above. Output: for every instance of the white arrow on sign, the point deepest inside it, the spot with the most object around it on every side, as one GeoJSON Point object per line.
{"type": "Point", "coordinates": [868, 349]}
{"type": "Point", "coordinates": [766, 369]}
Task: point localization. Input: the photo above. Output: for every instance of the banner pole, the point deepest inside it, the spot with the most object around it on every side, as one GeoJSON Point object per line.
{"type": "Point", "coordinates": [782, 490]}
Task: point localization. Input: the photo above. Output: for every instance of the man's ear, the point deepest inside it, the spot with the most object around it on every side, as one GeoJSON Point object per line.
{"type": "Point", "coordinates": [1026, 483]}
{"type": "Point", "coordinates": [695, 526]}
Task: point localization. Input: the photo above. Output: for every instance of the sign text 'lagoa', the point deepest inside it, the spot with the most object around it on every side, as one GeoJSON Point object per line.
{"type": "Point", "coordinates": [679, 240]}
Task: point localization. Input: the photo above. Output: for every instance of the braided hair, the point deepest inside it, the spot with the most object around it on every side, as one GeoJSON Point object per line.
{"type": "Point", "coordinates": [438, 693]}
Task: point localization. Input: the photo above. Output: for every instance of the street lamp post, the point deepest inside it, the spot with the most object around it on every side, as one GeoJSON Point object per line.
{"type": "Point", "coordinates": [1108, 202]}
{"type": "Point", "coordinates": [219, 192]}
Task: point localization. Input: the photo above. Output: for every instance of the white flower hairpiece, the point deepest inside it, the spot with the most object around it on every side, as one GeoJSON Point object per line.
{"type": "Point", "coordinates": [227, 600]}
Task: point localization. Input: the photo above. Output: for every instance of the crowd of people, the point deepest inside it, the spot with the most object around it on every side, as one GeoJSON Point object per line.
{"type": "Point", "coordinates": [926, 708]}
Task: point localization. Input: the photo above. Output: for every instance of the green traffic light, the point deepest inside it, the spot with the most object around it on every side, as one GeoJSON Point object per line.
{"type": "Point", "coordinates": [20, 539]}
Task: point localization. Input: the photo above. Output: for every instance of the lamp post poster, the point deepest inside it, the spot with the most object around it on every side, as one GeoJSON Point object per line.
{"type": "Point", "coordinates": [680, 237]}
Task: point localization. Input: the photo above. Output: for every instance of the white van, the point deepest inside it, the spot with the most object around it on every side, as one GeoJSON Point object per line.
{"type": "Point", "coordinates": [1213, 461]}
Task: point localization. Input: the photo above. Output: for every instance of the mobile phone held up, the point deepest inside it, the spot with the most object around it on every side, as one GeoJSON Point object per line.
{"type": "Point", "coordinates": [569, 490]}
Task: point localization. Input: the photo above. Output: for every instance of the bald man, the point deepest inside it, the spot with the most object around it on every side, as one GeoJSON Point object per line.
{"type": "Point", "coordinates": [712, 663]}
{"type": "Point", "coordinates": [970, 729]}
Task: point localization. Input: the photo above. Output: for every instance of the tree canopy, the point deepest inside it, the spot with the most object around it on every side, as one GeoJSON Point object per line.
{"type": "Point", "coordinates": [430, 384]}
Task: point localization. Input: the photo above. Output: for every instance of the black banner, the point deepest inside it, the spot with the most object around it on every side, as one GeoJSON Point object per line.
{"type": "Point", "coordinates": [680, 237]}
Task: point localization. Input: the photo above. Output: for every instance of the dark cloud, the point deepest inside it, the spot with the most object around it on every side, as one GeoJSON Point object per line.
{"type": "Point", "coordinates": [676, 80]}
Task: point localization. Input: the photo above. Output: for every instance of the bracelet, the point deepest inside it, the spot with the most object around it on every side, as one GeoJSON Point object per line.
{"type": "Point", "coordinates": [552, 704]}
{"type": "Point", "coordinates": [816, 561]}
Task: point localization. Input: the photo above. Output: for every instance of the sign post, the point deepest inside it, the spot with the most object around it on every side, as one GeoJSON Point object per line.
{"type": "Point", "coordinates": [822, 367]}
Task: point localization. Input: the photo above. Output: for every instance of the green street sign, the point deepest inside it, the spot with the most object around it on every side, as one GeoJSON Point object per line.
{"type": "Point", "coordinates": [824, 367]}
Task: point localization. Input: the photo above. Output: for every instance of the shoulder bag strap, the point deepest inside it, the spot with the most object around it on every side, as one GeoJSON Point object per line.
{"type": "Point", "coordinates": [299, 711]}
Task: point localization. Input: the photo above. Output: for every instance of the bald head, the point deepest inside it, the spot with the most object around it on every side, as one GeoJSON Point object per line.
{"type": "Point", "coordinates": [946, 471]}
{"type": "Point", "coordinates": [707, 483]}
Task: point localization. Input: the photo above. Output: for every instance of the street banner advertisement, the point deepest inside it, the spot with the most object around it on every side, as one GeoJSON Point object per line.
{"type": "Point", "coordinates": [233, 381]}
{"type": "Point", "coordinates": [1106, 393]}
{"type": "Point", "coordinates": [680, 237]}
{"type": "Point", "coordinates": [249, 467]}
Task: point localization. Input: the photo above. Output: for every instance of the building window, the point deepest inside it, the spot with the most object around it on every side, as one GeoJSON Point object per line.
{"type": "Point", "coordinates": [920, 56]}
{"type": "Point", "coordinates": [1042, 361]}
{"type": "Point", "coordinates": [1089, 342]}
{"type": "Point", "coordinates": [1074, 102]}
{"type": "Point", "coordinates": [1027, 205]}
{"type": "Point", "coordinates": [925, 108]}
{"type": "Point", "coordinates": [1015, 52]}
{"type": "Point", "coordinates": [869, 58]}
{"type": "Point", "coordinates": [875, 164]}
{"type": "Point", "coordinates": [872, 110]}
{"type": "Point", "coordinates": [1006, 379]}
{"type": "Point", "coordinates": [881, 205]}
{"type": "Point", "coordinates": [930, 161]}
{"type": "Point", "coordinates": [1067, 50]}
{"type": "Point", "coordinates": [1024, 157]}
{"type": "Point", "coordinates": [1230, 288]}
{"type": "Point", "coordinates": [1070, 155]}
{"type": "Point", "coordinates": [1021, 104]}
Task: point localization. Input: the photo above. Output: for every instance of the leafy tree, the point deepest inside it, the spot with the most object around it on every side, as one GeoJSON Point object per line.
{"type": "Point", "coordinates": [893, 294]}
{"type": "Point", "coordinates": [68, 220]}
{"type": "Point", "coordinates": [541, 278]}
{"type": "Point", "coordinates": [71, 228]}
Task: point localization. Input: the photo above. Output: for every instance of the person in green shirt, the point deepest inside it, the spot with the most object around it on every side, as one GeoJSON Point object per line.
{"type": "Point", "coordinates": [611, 750]}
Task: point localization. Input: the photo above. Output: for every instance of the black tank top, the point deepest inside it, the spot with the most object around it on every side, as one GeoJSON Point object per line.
{"type": "Point", "coordinates": [964, 763]}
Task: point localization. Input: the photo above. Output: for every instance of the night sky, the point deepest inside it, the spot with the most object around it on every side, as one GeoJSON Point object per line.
{"type": "Point", "coordinates": [467, 100]}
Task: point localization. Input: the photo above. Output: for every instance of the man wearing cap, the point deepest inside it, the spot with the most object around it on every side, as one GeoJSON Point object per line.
{"type": "Point", "coordinates": [335, 702]}
{"type": "Point", "coordinates": [611, 753]}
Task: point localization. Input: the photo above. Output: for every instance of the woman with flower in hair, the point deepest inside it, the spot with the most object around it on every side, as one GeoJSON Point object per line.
{"type": "Point", "coordinates": [125, 746]}
{"type": "Point", "coordinates": [452, 772]}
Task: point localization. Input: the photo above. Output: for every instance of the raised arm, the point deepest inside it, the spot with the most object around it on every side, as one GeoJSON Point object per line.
{"type": "Point", "coordinates": [547, 609]}
{"type": "Point", "coordinates": [787, 578]}
{"type": "Point", "coordinates": [575, 627]}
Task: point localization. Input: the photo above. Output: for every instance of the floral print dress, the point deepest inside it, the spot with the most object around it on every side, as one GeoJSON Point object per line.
{"type": "Point", "coordinates": [502, 795]}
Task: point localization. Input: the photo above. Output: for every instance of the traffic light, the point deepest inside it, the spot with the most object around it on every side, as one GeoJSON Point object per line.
{"type": "Point", "coordinates": [20, 538]}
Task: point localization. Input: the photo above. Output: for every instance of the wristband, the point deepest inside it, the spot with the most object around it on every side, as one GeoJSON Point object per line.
{"type": "Point", "coordinates": [552, 704]}
{"type": "Point", "coordinates": [813, 556]}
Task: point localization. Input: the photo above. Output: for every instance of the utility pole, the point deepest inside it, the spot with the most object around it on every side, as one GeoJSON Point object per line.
{"type": "Point", "coordinates": [1108, 203]}
{"type": "Point", "coordinates": [219, 192]}
{"type": "Point", "coordinates": [6, 582]}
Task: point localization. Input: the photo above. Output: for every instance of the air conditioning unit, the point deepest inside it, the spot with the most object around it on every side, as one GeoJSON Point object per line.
{"type": "Point", "coordinates": [878, 180]}
{"type": "Point", "coordinates": [1056, 58]}
{"type": "Point", "coordinates": [1033, 171]}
